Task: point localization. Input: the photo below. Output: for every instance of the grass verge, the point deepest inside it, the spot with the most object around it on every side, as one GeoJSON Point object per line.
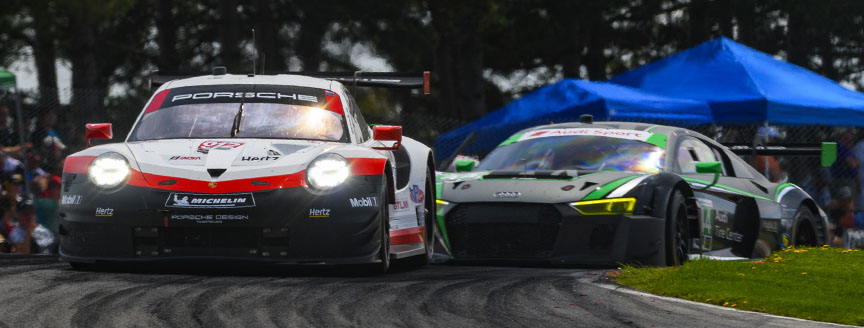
{"type": "Point", "coordinates": [823, 284]}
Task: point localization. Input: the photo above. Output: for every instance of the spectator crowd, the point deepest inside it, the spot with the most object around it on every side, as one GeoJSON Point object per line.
{"type": "Point", "coordinates": [30, 182]}
{"type": "Point", "coordinates": [836, 189]}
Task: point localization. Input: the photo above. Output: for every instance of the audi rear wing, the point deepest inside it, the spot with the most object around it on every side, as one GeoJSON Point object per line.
{"type": "Point", "coordinates": [826, 150]}
{"type": "Point", "coordinates": [356, 79]}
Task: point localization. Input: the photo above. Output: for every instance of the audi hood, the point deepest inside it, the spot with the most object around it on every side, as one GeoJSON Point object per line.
{"type": "Point", "coordinates": [535, 186]}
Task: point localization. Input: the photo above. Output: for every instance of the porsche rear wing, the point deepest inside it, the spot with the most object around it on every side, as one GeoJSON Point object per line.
{"type": "Point", "coordinates": [826, 150]}
{"type": "Point", "coordinates": [355, 79]}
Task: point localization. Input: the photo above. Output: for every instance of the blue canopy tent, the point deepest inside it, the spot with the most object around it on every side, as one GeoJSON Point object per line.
{"type": "Point", "coordinates": [565, 101]}
{"type": "Point", "coordinates": [743, 85]}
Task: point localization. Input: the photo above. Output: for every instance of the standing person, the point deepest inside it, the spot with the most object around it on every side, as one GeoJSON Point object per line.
{"type": "Point", "coordinates": [37, 178]}
{"type": "Point", "coordinates": [767, 165]}
{"type": "Point", "coordinates": [844, 172]}
{"type": "Point", "coordinates": [46, 139]}
{"type": "Point", "coordinates": [6, 225]}
{"type": "Point", "coordinates": [48, 205]}
{"type": "Point", "coordinates": [9, 138]}
{"type": "Point", "coordinates": [858, 151]}
{"type": "Point", "coordinates": [30, 237]}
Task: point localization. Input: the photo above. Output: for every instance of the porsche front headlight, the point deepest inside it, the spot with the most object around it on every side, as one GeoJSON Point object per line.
{"type": "Point", "coordinates": [328, 171]}
{"type": "Point", "coordinates": [108, 170]}
{"type": "Point", "coordinates": [609, 206]}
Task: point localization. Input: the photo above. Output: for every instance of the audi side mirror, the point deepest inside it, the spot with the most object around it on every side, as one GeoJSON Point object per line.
{"type": "Point", "coordinates": [710, 167]}
{"type": "Point", "coordinates": [465, 165]}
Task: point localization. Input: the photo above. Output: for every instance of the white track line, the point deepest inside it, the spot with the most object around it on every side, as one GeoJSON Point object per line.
{"type": "Point", "coordinates": [626, 290]}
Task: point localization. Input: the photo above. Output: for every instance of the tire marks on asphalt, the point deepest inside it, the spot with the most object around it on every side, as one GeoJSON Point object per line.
{"type": "Point", "coordinates": [54, 295]}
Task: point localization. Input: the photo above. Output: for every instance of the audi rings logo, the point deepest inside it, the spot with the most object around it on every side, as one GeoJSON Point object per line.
{"type": "Point", "coordinates": [507, 194]}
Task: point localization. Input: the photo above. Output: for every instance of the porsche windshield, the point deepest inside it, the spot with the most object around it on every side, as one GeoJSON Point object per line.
{"type": "Point", "coordinates": [214, 112]}
{"type": "Point", "coordinates": [579, 152]}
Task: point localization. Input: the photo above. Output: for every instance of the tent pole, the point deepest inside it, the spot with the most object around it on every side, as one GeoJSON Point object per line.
{"type": "Point", "coordinates": [21, 139]}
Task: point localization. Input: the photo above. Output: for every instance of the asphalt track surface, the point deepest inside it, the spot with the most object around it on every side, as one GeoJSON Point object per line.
{"type": "Point", "coordinates": [45, 293]}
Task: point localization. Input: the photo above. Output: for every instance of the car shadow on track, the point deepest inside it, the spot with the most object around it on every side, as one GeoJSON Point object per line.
{"type": "Point", "coordinates": [241, 269]}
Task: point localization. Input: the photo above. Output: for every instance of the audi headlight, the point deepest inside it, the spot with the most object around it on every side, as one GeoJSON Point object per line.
{"type": "Point", "coordinates": [108, 170]}
{"type": "Point", "coordinates": [328, 171]}
{"type": "Point", "coordinates": [609, 206]}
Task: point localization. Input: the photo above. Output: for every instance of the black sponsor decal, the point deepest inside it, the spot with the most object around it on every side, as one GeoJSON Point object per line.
{"type": "Point", "coordinates": [249, 95]}
{"type": "Point", "coordinates": [364, 202]}
{"type": "Point", "coordinates": [71, 199]}
{"type": "Point", "coordinates": [209, 218]}
{"type": "Point", "coordinates": [280, 94]}
{"type": "Point", "coordinates": [184, 200]}
{"type": "Point", "coordinates": [184, 158]}
{"type": "Point", "coordinates": [258, 158]}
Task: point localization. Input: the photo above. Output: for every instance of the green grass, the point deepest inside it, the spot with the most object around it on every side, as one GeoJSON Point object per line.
{"type": "Point", "coordinates": [823, 284]}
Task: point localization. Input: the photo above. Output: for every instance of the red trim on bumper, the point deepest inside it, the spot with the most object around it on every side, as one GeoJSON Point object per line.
{"type": "Point", "coordinates": [407, 236]}
{"type": "Point", "coordinates": [359, 166]}
{"type": "Point", "coordinates": [367, 166]}
{"type": "Point", "coordinates": [77, 164]}
{"type": "Point", "coordinates": [139, 179]}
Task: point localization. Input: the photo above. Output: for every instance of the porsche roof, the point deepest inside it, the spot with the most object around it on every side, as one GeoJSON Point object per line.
{"type": "Point", "coordinates": [281, 79]}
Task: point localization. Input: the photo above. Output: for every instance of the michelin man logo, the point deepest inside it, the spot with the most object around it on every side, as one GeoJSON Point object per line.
{"type": "Point", "coordinates": [416, 194]}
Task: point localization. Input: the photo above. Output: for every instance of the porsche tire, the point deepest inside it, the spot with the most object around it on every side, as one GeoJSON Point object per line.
{"type": "Point", "coordinates": [429, 211]}
{"type": "Point", "coordinates": [383, 265]}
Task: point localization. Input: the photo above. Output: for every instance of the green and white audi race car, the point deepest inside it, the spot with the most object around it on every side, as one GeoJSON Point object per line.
{"type": "Point", "coordinates": [601, 193]}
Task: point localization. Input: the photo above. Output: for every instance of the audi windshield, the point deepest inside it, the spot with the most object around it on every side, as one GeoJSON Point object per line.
{"type": "Point", "coordinates": [577, 149]}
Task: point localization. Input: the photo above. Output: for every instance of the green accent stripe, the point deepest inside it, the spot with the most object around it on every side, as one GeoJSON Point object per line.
{"type": "Point", "coordinates": [657, 139]}
{"type": "Point", "coordinates": [512, 139]}
{"type": "Point", "coordinates": [727, 188]}
{"type": "Point", "coordinates": [781, 187]}
{"type": "Point", "coordinates": [439, 214]}
{"type": "Point", "coordinates": [607, 188]}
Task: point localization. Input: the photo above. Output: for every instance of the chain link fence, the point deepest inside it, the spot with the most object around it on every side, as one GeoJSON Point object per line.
{"type": "Point", "coordinates": [53, 130]}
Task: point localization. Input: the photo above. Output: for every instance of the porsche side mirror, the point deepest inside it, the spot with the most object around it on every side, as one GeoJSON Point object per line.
{"type": "Point", "coordinates": [465, 165]}
{"type": "Point", "coordinates": [387, 133]}
{"type": "Point", "coordinates": [708, 168]}
{"type": "Point", "coordinates": [98, 131]}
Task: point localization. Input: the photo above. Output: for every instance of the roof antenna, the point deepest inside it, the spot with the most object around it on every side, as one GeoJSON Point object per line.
{"type": "Point", "coordinates": [254, 46]}
{"type": "Point", "coordinates": [354, 85]}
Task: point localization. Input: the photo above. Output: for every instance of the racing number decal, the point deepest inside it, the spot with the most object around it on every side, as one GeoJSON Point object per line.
{"type": "Point", "coordinates": [706, 215]}
{"type": "Point", "coordinates": [219, 145]}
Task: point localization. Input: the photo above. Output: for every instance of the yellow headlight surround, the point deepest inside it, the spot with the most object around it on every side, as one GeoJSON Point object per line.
{"type": "Point", "coordinates": [442, 202]}
{"type": "Point", "coordinates": [610, 206]}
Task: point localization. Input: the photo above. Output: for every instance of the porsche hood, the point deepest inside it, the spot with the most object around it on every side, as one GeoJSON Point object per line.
{"type": "Point", "coordinates": [205, 159]}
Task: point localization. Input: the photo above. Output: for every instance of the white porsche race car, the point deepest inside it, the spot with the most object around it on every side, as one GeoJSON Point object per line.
{"type": "Point", "coordinates": [268, 168]}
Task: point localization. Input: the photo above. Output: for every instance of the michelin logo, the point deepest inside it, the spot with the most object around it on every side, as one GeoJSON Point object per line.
{"type": "Point", "coordinates": [210, 201]}
{"type": "Point", "coordinates": [364, 202]}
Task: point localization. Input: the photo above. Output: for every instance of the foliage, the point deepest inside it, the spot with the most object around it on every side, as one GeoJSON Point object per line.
{"type": "Point", "coordinates": [483, 53]}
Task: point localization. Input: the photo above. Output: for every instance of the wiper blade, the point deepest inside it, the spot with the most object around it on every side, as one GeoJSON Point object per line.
{"type": "Point", "coordinates": [538, 174]}
{"type": "Point", "coordinates": [235, 127]}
